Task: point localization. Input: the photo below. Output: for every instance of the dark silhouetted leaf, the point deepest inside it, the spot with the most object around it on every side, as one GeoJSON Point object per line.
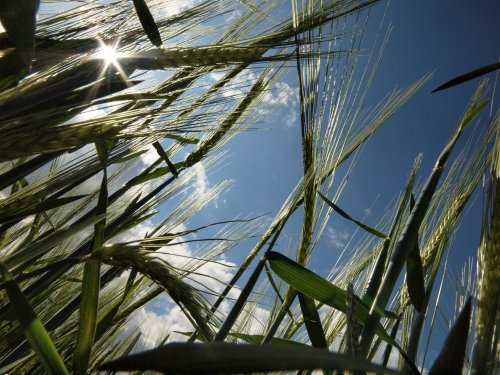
{"type": "Point", "coordinates": [147, 21]}
{"type": "Point", "coordinates": [19, 20]}
{"type": "Point", "coordinates": [161, 152]}
{"type": "Point", "coordinates": [345, 215]}
{"type": "Point", "coordinates": [468, 76]}
{"type": "Point", "coordinates": [415, 277]}
{"type": "Point", "coordinates": [226, 358]}
{"type": "Point", "coordinates": [450, 360]}
{"type": "Point", "coordinates": [312, 321]}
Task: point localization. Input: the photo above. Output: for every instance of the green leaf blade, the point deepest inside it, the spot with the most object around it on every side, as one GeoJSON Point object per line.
{"type": "Point", "coordinates": [312, 322]}
{"type": "Point", "coordinates": [345, 215]}
{"type": "Point", "coordinates": [32, 327]}
{"type": "Point", "coordinates": [91, 279]}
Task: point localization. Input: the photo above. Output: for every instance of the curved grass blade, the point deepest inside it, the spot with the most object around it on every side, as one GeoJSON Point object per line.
{"type": "Point", "coordinates": [19, 20]}
{"type": "Point", "coordinates": [468, 76]}
{"type": "Point", "coordinates": [313, 285]}
{"type": "Point", "coordinates": [345, 215]}
{"type": "Point", "coordinates": [91, 279]}
{"type": "Point", "coordinates": [148, 23]}
{"type": "Point", "coordinates": [32, 327]}
{"type": "Point", "coordinates": [226, 358]}
{"type": "Point", "coordinates": [451, 358]}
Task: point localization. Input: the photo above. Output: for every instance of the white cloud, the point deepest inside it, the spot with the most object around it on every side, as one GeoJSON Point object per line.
{"type": "Point", "coordinates": [155, 326]}
{"type": "Point", "coordinates": [150, 156]}
{"type": "Point", "coordinates": [282, 94]}
{"type": "Point", "coordinates": [336, 238]}
{"type": "Point", "coordinates": [292, 117]}
{"type": "Point", "coordinates": [135, 233]}
{"type": "Point", "coordinates": [200, 183]}
{"type": "Point", "coordinates": [238, 86]}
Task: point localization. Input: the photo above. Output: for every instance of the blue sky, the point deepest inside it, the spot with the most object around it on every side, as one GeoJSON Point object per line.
{"type": "Point", "coordinates": [445, 37]}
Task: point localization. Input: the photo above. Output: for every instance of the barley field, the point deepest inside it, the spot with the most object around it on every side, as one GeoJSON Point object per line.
{"type": "Point", "coordinates": [115, 121]}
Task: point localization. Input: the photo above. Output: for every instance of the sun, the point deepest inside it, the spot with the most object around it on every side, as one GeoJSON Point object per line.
{"type": "Point", "coordinates": [109, 54]}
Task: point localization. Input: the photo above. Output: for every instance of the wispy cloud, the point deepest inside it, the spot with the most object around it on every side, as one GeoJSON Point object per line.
{"type": "Point", "coordinates": [337, 238]}
{"type": "Point", "coordinates": [200, 183]}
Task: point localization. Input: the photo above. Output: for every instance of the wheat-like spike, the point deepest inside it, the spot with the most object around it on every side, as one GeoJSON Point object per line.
{"type": "Point", "coordinates": [128, 256]}
{"type": "Point", "coordinates": [489, 274]}
{"type": "Point", "coordinates": [353, 328]}
{"type": "Point", "coordinates": [55, 140]}
{"type": "Point", "coordinates": [488, 286]}
{"type": "Point", "coordinates": [196, 56]}
{"type": "Point", "coordinates": [213, 140]}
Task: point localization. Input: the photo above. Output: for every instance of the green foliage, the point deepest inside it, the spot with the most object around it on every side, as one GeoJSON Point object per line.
{"type": "Point", "coordinates": [76, 219]}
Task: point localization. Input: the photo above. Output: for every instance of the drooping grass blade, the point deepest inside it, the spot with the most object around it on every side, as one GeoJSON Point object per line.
{"type": "Point", "coordinates": [345, 215]}
{"type": "Point", "coordinates": [468, 76]}
{"type": "Point", "coordinates": [227, 358]}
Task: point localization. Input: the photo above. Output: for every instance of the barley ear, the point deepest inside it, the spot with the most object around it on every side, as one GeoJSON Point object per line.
{"type": "Point", "coordinates": [484, 353]}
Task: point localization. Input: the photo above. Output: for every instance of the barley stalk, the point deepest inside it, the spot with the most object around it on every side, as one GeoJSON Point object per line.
{"type": "Point", "coordinates": [489, 275]}
{"type": "Point", "coordinates": [227, 125]}
{"type": "Point", "coordinates": [127, 256]}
